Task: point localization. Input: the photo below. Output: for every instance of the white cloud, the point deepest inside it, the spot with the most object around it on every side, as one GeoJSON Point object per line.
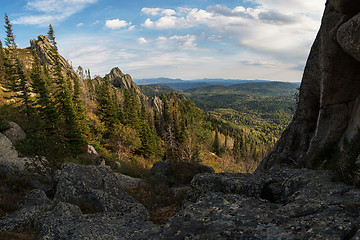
{"type": "Point", "coordinates": [274, 27]}
{"type": "Point", "coordinates": [176, 42]}
{"type": "Point", "coordinates": [142, 40]}
{"type": "Point", "coordinates": [116, 24]}
{"type": "Point", "coordinates": [151, 11]}
{"type": "Point", "coordinates": [158, 11]}
{"type": "Point", "coordinates": [80, 24]}
{"type": "Point", "coordinates": [50, 11]}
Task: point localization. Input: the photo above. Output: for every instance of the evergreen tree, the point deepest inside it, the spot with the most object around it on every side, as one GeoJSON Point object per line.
{"type": "Point", "coordinates": [2, 62]}
{"type": "Point", "coordinates": [71, 125]}
{"type": "Point", "coordinates": [44, 101]}
{"type": "Point", "coordinates": [107, 108]}
{"type": "Point", "coordinates": [216, 144]}
{"type": "Point", "coordinates": [17, 81]}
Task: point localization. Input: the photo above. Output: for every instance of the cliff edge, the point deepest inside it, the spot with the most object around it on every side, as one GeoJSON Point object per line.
{"type": "Point", "coordinates": [329, 102]}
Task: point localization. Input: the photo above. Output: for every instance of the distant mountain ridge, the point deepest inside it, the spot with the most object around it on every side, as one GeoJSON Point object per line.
{"type": "Point", "coordinates": [186, 84]}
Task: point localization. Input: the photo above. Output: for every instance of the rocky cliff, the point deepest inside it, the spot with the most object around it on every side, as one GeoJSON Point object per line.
{"type": "Point", "coordinates": [42, 48]}
{"type": "Point", "coordinates": [329, 102]}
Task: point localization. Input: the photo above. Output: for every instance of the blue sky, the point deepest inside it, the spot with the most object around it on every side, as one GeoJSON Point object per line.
{"type": "Point", "coordinates": [235, 39]}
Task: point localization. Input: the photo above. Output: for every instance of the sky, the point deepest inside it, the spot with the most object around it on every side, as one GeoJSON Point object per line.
{"type": "Point", "coordinates": [231, 39]}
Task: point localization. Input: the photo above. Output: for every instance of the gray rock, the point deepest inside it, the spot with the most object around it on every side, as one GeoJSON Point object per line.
{"type": "Point", "coordinates": [6, 148]}
{"type": "Point", "coordinates": [287, 204]}
{"type": "Point", "coordinates": [328, 91]}
{"type": "Point", "coordinates": [99, 186]}
{"type": "Point", "coordinates": [243, 184]}
{"type": "Point", "coordinates": [126, 181]}
{"type": "Point", "coordinates": [159, 172]}
{"type": "Point", "coordinates": [346, 6]}
{"type": "Point", "coordinates": [67, 222]}
{"type": "Point", "coordinates": [174, 173]}
{"type": "Point", "coordinates": [42, 47]}
{"type": "Point", "coordinates": [33, 206]}
{"type": "Point", "coordinates": [14, 133]}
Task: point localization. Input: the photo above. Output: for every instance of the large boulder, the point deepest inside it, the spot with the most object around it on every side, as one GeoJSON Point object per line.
{"type": "Point", "coordinates": [65, 221]}
{"type": "Point", "coordinates": [279, 204]}
{"type": "Point", "coordinates": [6, 147]}
{"type": "Point", "coordinates": [33, 205]}
{"type": "Point", "coordinates": [99, 187]}
{"type": "Point", "coordinates": [14, 133]}
{"type": "Point", "coordinates": [329, 91]}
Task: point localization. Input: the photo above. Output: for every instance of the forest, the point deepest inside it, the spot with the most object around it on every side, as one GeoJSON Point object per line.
{"type": "Point", "coordinates": [65, 110]}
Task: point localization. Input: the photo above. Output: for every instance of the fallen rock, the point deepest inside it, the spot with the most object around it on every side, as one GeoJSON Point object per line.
{"type": "Point", "coordinates": [14, 133]}
{"type": "Point", "coordinates": [65, 221]}
{"type": "Point", "coordinates": [282, 204]}
{"type": "Point", "coordinates": [127, 181]}
{"type": "Point", "coordinates": [98, 186]}
{"type": "Point", "coordinates": [6, 147]}
{"type": "Point", "coordinates": [33, 205]}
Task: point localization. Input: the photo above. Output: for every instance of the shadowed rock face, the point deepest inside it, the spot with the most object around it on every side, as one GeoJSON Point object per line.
{"type": "Point", "coordinates": [329, 94]}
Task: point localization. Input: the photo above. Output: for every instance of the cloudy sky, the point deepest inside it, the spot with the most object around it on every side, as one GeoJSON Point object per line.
{"type": "Point", "coordinates": [188, 39]}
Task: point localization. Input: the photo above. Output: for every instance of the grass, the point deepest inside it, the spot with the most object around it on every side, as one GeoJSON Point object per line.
{"type": "Point", "coordinates": [28, 234]}
{"type": "Point", "coordinates": [158, 199]}
{"type": "Point", "coordinates": [12, 191]}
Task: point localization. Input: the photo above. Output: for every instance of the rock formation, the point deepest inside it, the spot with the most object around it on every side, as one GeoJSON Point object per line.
{"type": "Point", "coordinates": [328, 109]}
{"type": "Point", "coordinates": [42, 47]}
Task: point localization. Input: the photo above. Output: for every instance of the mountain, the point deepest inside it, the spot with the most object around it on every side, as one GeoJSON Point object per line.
{"type": "Point", "coordinates": [186, 84]}
{"type": "Point", "coordinates": [156, 90]}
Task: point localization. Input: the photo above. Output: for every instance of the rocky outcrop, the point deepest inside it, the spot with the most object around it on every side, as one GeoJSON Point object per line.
{"type": "Point", "coordinates": [120, 80]}
{"type": "Point", "coordinates": [89, 203]}
{"type": "Point", "coordinates": [329, 92]}
{"type": "Point", "coordinates": [98, 186]}
{"type": "Point", "coordinates": [6, 147]}
{"type": "Point", "coordinates": [281, 204]}
{"type": "Point", "coordinates": [14, 133]}
{"type": "Point", "coordinates": [42, 47]}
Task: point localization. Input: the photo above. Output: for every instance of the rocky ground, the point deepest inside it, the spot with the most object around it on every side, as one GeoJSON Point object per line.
{"type": "Point", "coordinates": [91, 203]}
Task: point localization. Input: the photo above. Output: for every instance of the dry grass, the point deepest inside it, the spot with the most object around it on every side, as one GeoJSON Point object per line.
{"type": "Point", "coordinates": [29, 234]}
{"type": "Point", "coordinates": [12, 191]}
{"type": "Point", "coordinates": [227, 163]}
{"type": "Point", "coordinates": [158, 199]}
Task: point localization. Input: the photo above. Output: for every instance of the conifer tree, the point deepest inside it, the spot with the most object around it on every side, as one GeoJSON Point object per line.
{"type": "Point", "coordinates": [44, 101]}
{"type": "Point", "coordinates": [17, 81]}
{"type": "Point", "coordinates": [71, 125]}
{"type": "Point", "coordinates": [216, 144]}
{"type": "Point", "coordinates": [2, 62]}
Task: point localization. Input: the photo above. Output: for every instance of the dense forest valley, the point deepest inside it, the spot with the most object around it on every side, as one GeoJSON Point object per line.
{"type": "Point", "coordinates": [65, 111]}
{"type": "Point", "coordinates": [230, 128]}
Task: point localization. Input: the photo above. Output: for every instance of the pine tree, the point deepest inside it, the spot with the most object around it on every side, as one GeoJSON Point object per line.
{"type": "Point", "coordinates": [71, 125]}
{"type": "Point", "coordinates": [2, 62]}
{"type": "Point", "coordinates": [17, 81]}
{"type": "Point", "coordinates": [216, 144]}
{"type": "Point", "coordinates": [44, 101]}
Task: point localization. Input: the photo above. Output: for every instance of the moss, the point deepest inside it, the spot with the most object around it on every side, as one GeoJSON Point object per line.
{"type": "Point", "coordinates": [4, 125]}
{"type": "Point", "coordinates": [343, 163]}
